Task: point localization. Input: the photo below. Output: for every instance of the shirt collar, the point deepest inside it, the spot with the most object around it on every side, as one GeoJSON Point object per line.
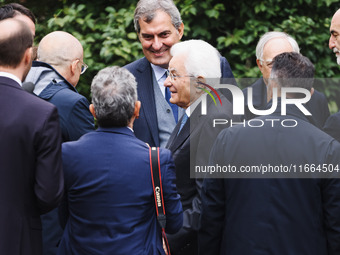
{"type": "Point", "coordinates": [11, 76]}
{"type": "Point", "coordinates": [159, 71]}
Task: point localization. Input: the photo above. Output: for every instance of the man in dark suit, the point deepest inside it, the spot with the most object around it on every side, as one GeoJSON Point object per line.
{"type": "Point", "coordinates": [270, 45]}
{"type": "Point", "coordinates": [332, 126]}
{"type": "Point", "coordinates": [109, 189]}
{"type": "Point", "coordinates": [294, 211]}
{"type": "Point", "coordinates": [159, 25]}
{"type": "Point", "coordinates": [193, 63]}
{"type": "Point", "coordinates": [30, 156]}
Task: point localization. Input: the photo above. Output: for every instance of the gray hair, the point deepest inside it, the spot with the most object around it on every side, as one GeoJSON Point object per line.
{"type": "Point", "coordinates": [114, 93]}
{"type": "Point", "coordinates": [271, 35]}
{"type": "Point", "coordinates": [146, 10]}
{"type": "Point", "coordinates": [201, 59]}
{"type": "Point", "coordinates": [291, 69]}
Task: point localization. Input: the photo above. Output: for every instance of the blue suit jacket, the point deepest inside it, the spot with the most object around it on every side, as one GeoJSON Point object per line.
{"type": "Point", "coordinates": [146, 127]}
{"type": "Point", "coordinates": [73, 108]}
{"type": "Point", "coordinates": [110, 196]}
{"type": "Point", "coordinates": [317, 105]}
{"type": "Point", "coordinates": [31, 177]}
{"type": "Point", "coordinates": [272, 216]}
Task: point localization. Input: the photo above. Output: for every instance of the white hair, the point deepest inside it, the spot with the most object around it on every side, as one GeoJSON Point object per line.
{"type": "Point", "coordinates": [201, 59]}
{"type": "Point", "coordinates": [271, 35]}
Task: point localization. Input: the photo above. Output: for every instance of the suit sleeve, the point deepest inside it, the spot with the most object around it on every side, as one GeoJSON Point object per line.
{"type": "Point", "coordinates": [49, 180]}
{"type": "Point", "coordinates": [172, 203]}
{"type": "Point", "coordinates": [213, 206]}
{"type": "Point", "coordinates": [331, 202]}
{"type": "Point", "coordinates": [325, 110]}
{"type": "Point", "coordinates": [332, 126]}
{"type": "Point", "coordinates": [80, 120]}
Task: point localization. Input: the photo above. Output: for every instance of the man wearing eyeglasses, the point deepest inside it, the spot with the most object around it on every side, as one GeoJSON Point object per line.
{"type": "Point", "coordinates": [159, 26]}
{"type": "Point", "coordinates": [269, 46]}
{"type": "Point", "coordinates": [55, 76]}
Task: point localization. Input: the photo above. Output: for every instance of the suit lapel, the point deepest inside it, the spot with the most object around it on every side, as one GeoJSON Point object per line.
{"type": "Point", "coordinates": [188, 129]}
{"type": "Point", "coordinates": [146, 96]}
{"type": "Point", "coordinates": [176, 139]}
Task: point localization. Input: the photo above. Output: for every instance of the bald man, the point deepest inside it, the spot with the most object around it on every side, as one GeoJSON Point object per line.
{"type": "Point", "coordinates": [31, 176]}
{"type": "Point", "coordinates": [55, 76]}
{"type": "Point", "coordinates": [269, 46]}
{"type": "Point", "coordinates": [332, 125]}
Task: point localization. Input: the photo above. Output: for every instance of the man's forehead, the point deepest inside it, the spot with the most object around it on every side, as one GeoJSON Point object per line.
{"type": "Point", "coordinates": [336, 18]}
{"type": "Point", "coordinates": [177, 62]}
{"type": "Point", "coordinates": [277, 46]}
{"type": "Point", "coordinates": [335, 27]}
{"type": "Point", "coordinates": [160, 23]}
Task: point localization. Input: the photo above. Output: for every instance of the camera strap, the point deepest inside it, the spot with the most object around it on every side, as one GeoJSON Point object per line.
{"type": "Point", "coordinates": [158, 191]}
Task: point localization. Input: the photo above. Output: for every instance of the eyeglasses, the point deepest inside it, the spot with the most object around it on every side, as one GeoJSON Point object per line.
{"type": "Point", "coordinates": [268, 62]}
{"type": "Point", "coordinates": [174, 76]}
{"type": "Point", "coordinates": [83, 67]}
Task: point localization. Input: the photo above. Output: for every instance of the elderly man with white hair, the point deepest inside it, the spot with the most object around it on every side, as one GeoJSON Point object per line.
{"type": "Point", "coordinates": [55, 76]}
{"type": "Point", "coordinates": [332, 125]}
{"type": "Point", "coordinates": [270, 45]}
{"type": "Point", "coordinates": [193, 71]}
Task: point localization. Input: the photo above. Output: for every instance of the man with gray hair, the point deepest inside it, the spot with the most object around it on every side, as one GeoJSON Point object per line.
{"type": "Point", "coordinates": [270, 45]}
{"type": "Point", "coordinates": [108, 185]}
{"type": "Point", "coordinates": [194, 71]}
{"type": "Point", "coordinates": [55, 76]}
{"type": "Point", "coordinates": [159, 26]}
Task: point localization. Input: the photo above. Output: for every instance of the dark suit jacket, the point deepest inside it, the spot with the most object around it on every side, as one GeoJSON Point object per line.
{"type": "Point", "coordinates": [332, 126]}
{"type": "Point", "coordinates": [146, 126]}
{"type": "Point", "coordinates": [191, 147]}
{"type": "Point", "coordinates": [317, 105]}
{"type": "Point", "coordinates": [272, 216]}
{"type": "Point", "coordinates": [110, 195]}
{"type": "Point", "coordinates": [30, 167]}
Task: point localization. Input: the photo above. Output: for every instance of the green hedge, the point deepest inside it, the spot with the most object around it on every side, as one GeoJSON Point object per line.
{"type": "Point", "coordinates": [105, 28]}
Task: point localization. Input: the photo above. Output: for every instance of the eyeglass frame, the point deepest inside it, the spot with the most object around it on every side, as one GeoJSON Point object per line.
{"type": "Point", "coordinates": [268, 62]}
{"type": "Point", "coordinates": [83, 66]}
{"type": "Point", "coordinates": [173, 77]}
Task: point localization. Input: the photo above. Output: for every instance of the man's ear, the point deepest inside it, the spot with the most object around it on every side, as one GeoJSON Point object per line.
{"type": "Point", "coordinates": [181, 31]}
{"type": "Point", "coordinates": [259, 65]}
{"type": "Point", "coordinates": [91, 107]}
{"type": "Point", "coordinates": [28, 56]}
{"type": "Point", "coordinates": [200, 80]}
{"type": "Point", "coordinates": [311, 91]}
{"type": "Point", "coordinates": [74, 66]}
{"type": "Point", "coordinates": [137, 109]}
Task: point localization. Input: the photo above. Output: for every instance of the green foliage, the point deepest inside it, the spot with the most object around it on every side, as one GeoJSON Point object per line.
{"type": "Point", "coordinates": [105, 29]}
{"type": "Point", "coordinates": [106, 35]}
